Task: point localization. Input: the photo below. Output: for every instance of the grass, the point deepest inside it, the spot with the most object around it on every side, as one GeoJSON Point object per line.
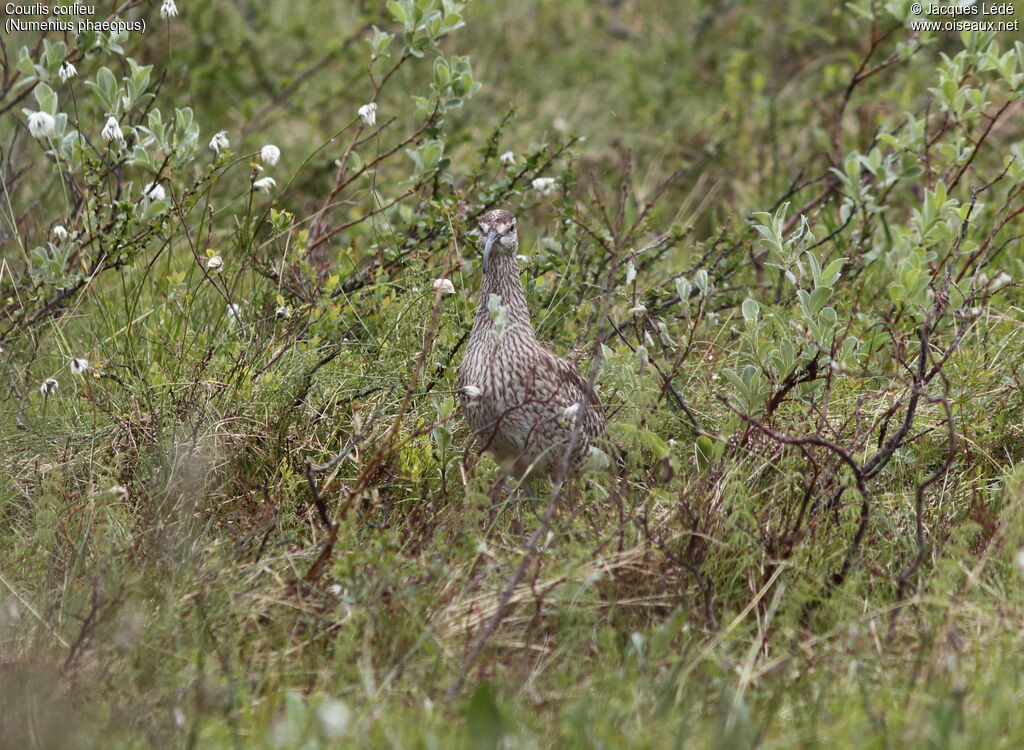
{"type": "Point", "coordinates": [806, 545]}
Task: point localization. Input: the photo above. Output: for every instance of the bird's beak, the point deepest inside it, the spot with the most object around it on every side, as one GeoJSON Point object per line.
{"type": "Point", "coordinates": [491, 237]}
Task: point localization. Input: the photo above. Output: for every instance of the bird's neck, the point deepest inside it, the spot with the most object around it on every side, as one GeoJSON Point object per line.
{"type": "Point", "coordinates": [502, 279]}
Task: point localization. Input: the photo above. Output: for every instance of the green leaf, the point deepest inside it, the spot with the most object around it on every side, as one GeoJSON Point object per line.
{"type": "Point", "coordinates": [683, 289]}
{"type": "Point", "coordinates": [46, 97]}
{"type": "Point", "coordinates": [751, 310]}
{"type": "Point", "coordinates": [817, 299]}
{"type": "Point", "coordinates": [735, 380]}
{"type": "Point", "coordinates": [484, 723]}
{"type": "Point", "coordinates": [830, 275]}
{"type": "Point", "coordinates": [25, 64]}
{"type": "Point", "coordinates": [380, 41]}
{"type": "Point", "coordinates": [404, 13]}
{"type": "Point", "coordinates": [107, 83]}
{"type": "Point", "coordinates": [704, 450]}
{"type": "Point", "coordinates": [653, 443]}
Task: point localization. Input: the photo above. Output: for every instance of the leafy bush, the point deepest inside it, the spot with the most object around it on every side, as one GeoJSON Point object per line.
{"type": "Point", "coordinates": [239, 505]}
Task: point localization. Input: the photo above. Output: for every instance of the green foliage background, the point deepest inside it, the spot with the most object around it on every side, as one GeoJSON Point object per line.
{"type": "Point", "coordinates": [790, 236]}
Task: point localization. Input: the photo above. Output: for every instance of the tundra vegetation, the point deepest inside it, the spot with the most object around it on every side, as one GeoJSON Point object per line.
{"type": "Point", "coordinates": [238, 507]}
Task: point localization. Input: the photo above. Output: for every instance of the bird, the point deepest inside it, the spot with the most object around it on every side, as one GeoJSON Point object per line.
{"type": "Point", "coordinates": [520, 400]}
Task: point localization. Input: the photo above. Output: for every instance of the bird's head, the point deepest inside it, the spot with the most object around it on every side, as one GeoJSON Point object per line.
{"type": "Point", "coordinates": [498, 229]}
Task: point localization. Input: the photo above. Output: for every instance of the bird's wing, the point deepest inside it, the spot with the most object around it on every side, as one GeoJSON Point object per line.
{"type": "Point", "coordinates": [570, 386]}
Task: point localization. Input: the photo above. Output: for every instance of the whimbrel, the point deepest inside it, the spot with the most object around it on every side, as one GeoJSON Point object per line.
{"type": "Point", "coordinates": [521, 401]}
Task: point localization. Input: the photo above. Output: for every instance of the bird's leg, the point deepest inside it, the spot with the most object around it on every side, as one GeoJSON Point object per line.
{"type": "Point", "coordinates": [498, 497]}
{"type": "Point", "coordinates": [532, 490]}
{"type": "Point", "coordinates": [523, 493]}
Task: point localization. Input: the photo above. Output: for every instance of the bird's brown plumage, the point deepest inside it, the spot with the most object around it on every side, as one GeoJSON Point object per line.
{"type": "Point", "coordinates": [520, 400]}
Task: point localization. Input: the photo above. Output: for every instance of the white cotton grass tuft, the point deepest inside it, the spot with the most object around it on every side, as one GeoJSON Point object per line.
{"type": "Point", "coordinates": [369, 113]}
{"type": "Point", "coordinates": [1002, 279]}
{"type": "Point", "coordinates": [168, 9]}
{"type": "Point", "coordinates": [48, 387]}
{"type": "Point", "coordinates": [444, 287]}
{"type": "Point", "coordinates": [597, 458]}
{"type": "Point", "coordinates": [60, 233]}
{"type": "Point", "coordinates": [284, 312]}
{"type": "Point", "coordinates": [79, 366]}
{"type": "Point", "coordinates": [67, 71]}
{"type": "Point", "coordinates": [265, 184]}
{"type": "Point", "coordinates": [334, 717]}
{"type": "Point", "coordinates": [111, 132]}
{"type": "Point", "coordinates": [219, 140]}
{"type": "Point", "coordinates": [269, 154]}
{"type": "Point", "coordinates": [154, 191]}
{"type": "Point", "coordinates": [507, 158]}
{"type": "Point", "coordinates": [41, 125]}
{"type": "Point", "coordinates": [119, 491]}
{"type": "Point", "coordinates": [544, 185]}
{"type": "Point", "coordinates": [215, 264]}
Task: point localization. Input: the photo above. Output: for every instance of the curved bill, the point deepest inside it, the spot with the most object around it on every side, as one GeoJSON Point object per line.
{"type": "Point", "coordinates": [491, 237]}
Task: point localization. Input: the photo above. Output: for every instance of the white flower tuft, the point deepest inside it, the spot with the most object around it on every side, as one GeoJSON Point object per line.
{"type": "Point", "coordinates": [269, 154]}
{"type": "Point", "coordinates": [265, 184]}
{"type": "Point", "coordinates": [544, 185]}
{"type": "Point", "coordinates": [154, 191]}
{"type": "Point", "coordinates": [444, 287]}
{"type": "Point", "coordinates": [219, 140]}
{"type": "Point", "coordinates": [168, 9]}
{"type": "Point", "coordinates": [284, 312]}
{"type": "Point", "coordinates": [507, 158]}
{"type": "Point", "coordinates": [49, 386]}
{"type": "Point", "coordinates": [1002, 279]}
{"type": "Point", "coordinates": [334, 716]}
{"type": "Point", "coordinates": [119, 491]}
{"type": "Point", "coordinates": [597, 458]}
{"type": "Point", "coordinates": [112, 131]}
{"type": "Point", "coordinates": [67, 71]}
{"type": "Point", "coordinates": [79, 365]}
{"type": "Point", "coordinates": [215, 264]}
{"type": "Point", "coordinates": [369, 113]}
{"type": "Point", "coordinates": [60, 233]}
{"type": "Point", "coordinates": [41, 124]}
